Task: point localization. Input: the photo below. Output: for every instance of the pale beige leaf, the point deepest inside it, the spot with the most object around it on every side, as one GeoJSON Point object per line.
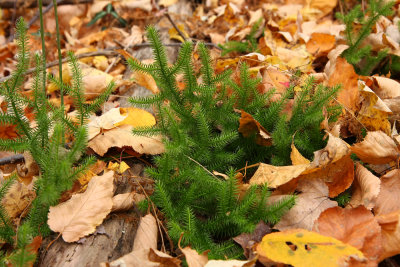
{"type": "Point", "coordinates": [335, 150]}
{"type": "Point", "coordinates": [389, 196]}
{"type": "Point", "coordinates": [146, 235]}
{"type": "Point", "coordinates": [193, 258]}
{"type": "Point", "coordinates": [94, 81]}
{"type": "Point", "coordinates": [275, 176]}
{"type": "Point", "coordinates": [167, 3]}
{"type": "Point", "coordinates": [122, 137]}
{"type": "Point", "coordinates": [385, 87]}
{"type": "Point", "coordinates": [366, 188]}
{"type": "Point", "coordinates": [126, 201]}
{"type": "Point", "coordinates": [376, 148]}
{"type": "Point", "coordinates": [144, 258]}
{"type": "Point", "coordinates": [309, 205]}
{"type": "Point", "coordinates": [80, 215]}
{"type": "Point", "coordinates": [104, 122]}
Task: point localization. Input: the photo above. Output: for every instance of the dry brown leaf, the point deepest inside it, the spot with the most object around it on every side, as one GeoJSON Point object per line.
{"type": "Point", "coordinates": [28, 169]}
{"type": "Point", "coordinates": [126, 201]}
{"type": "Point", "coordinates": [385, 87]}
{"type": "Point", "coordinates": [247, 241]}
{"type": "Point", "coordinates": [272, 77]}
{"type": "Point", "coordinates": [193, 258]}
{"type": "Point", "coordinates": [390, 224]}
{"type": "Point", "coordinates": [324, 6]}
{"type": "Point", "coordinates": [343, 73]}
{"type": "Point", "coordinates": [80, 215]}
{"type": "Point", "coordinates": [309, 204]}
{"type": "Point", "coordinates": [17, 199]}
{"type": "Point", "coordinates": [389, 196]}
{"type": "Point", "coordinates": [146, 235]}
{"type": "Point", "coordinates": [356, 227]}
{"type": "Point", "coordinates": [275, 176]}
{"type": "Point", "coordinates": [248, 126]}
{"type": "Point", "coordinates": [122, 137]}
{"type": "Point", "coordinates": [366, 188]}
{"type": "Point", "coordinates": [376, 148]}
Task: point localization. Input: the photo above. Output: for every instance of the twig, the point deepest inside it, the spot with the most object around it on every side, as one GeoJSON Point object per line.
{"type": "Point", "coordinates": [11, 159]}
{"type": "Point", "coordinates": [175, 26]}
{"type": "Point", "coordinates": [105, 52]}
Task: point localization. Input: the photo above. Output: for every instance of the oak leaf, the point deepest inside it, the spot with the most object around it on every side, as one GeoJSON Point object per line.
{"type": "Point", "coordinates": [299, 247]}
{"type": "Point", "coordinates": [80, 215]}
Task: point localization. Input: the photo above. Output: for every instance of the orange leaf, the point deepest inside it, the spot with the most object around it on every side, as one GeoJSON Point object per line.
{"type": "Point", "coordinates": [356, 227]}
{"type": "Point", "coordinates": [249, 126]}
{"type": "Point", "coordinates": [320, 43]}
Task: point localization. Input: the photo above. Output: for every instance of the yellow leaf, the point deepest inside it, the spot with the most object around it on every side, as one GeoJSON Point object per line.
{"type": "Point", "coordinates": [296, 157]}
{"type": "Point", "coordinates": [118, 167]}
{"type": "Point", "coordinates": [167, 3]}
{"type": "Point", "coordinates": [173, 33]}
{"type": "Point", "coordinates": [136, 117]}
{"type": "Point", "coordinates": [299, 247]}
{"type": "Point", "coordinates": [374, 113]}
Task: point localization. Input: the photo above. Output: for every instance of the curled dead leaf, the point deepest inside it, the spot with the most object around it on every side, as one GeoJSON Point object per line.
{"type": "Point", "coordinates": [388, 199]}
{"type": "Point", "coordinates": [249, 126]}
{"type": "Point", "coordinates": [126, 201]}
{"type": "Point", "coordinates": [366, 188]}
{"type": "Point", "coordinates": [376, 148]}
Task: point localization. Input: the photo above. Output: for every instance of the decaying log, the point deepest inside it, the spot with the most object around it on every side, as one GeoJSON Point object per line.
{"type": "Point", "coordinates": [114, 238]}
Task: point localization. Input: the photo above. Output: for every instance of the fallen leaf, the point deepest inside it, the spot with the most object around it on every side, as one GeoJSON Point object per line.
{"type": "Point", "coordinates": [136, 117]}
{"type": "Point", "coordinates": [385, 87]}
{"type": "Point", "coordinates": [104, 122]}
{"type": "Point", "coordinates": [193, 258]}
{"type": "Point", "coordinates": [119, 168]}
{"type": "Point", "coordinates": [33, 248]}
{"type": "Point", "coordinates": [356, 227]}
{"type": "Point", "coordinates": [373, 113]}
{"type": "Point", "coordinates": [80, 215]}
{"type": "Point", "coordinates": [144, 258]}
{"type": "Point", "coordinates": [173, 33]}
{"type": "Point", "coordinates": [126, 201]}
{"type": "Point", "coordinates": [388, 199]}
{"type": "Point", "coordinates": [247, 240]}
{"type": "Point", "coordinates": [167, 3]}
{"type": "Point", "coordinates": [296, 157]}
{"type": "Point", "coordinates": [376, 148]}
{"type": "Point", "coordinates": [121, 137]}
{"type": "Point", "coordinates": [17, 199]}
{"type": "Point", "coordinates": [310, 203]}
{"type": "Point", "coordinates": [320, 43]}
{"type": "Point", "coordinates": [275, 176]}
{"type": "Point", "coordinates": [146, 235]}
{"type": "Point", "coordinates": [366, 188]}
{"type": "Point", "coordinates": [248, 126]}
{"type": "Point", "coordinates": [230, 263]}
{"type": "Point", "coordinates": [299, 247]}
{"type": "Point", "coordinates": [390, 224]}
{"type": "Point", "coordinates": [343, 73]}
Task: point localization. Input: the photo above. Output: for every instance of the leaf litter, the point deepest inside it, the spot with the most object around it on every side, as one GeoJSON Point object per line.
{"type": "Point", "coordinates": [297, 36]}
